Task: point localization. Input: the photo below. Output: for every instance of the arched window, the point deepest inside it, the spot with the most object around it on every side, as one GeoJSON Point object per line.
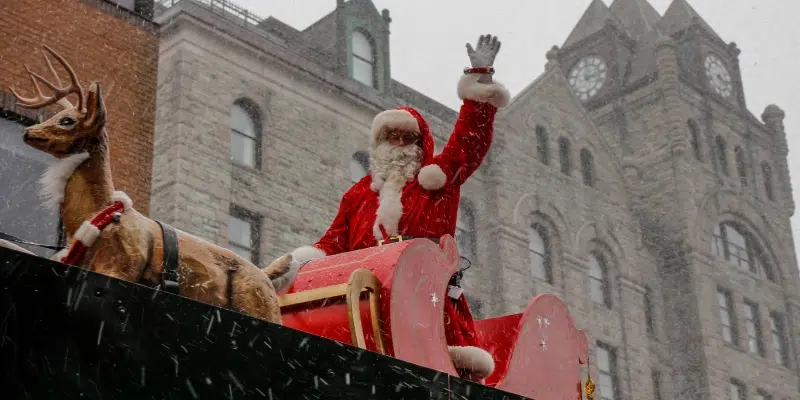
{"type": "Point", "coordinates": [722, 155]}
{"type": "Point", "coordinates": [539, 250]}
{"type": "Point", "coordinates": [694, 138]}
{"type": "Point", "coordinates": [741, 167]}
{"type": "Point", "coordinates": [363, 58]}
{"type": "Point", "coordinates": [587, 167]}
{"type": "Point", "coordinates": [734, 244]}
{"type": "Point", "coordinates": [359, 165]}
{"type": "Point", "coordinates": [465, 232]}
{"type": "Point", "coordinates": [598, 280]}
{"type": "Point", "coordinates": [542, 145]}
{"type": "Point", "coordinates": [564, 156]}
{"type": "Point", "coordinates": [245, 134]}
{"type": "Point", "coordinates": [766, 172]}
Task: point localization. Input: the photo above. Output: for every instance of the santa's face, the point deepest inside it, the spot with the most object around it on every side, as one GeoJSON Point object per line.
{"type": "Point", "coordinates": [396, 158]}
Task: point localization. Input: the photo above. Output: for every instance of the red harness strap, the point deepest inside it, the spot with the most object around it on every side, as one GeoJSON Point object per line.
{"type": "Point", "coordinates": [89, 232]}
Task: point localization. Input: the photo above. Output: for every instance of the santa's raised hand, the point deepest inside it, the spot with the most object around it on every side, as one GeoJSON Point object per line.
{"type": "Point", "coordinates": [483, 55]}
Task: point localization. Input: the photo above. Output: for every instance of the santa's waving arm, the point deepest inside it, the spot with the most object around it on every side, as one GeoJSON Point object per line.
{"type": "Point", "coordinates": [473, 132]}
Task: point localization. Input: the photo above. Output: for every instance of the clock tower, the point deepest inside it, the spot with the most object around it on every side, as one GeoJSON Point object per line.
{"type": "Point", "coordinates": [707, 181]}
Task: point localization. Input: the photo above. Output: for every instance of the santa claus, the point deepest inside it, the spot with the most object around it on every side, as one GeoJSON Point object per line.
{"type": "Point", "coordinates": [412, 193]}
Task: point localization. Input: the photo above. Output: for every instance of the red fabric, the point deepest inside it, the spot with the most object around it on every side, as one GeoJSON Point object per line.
{"type": "Point", "coordinates": [100, 220]}
{"type": "Point", "coordinates": [425, 213]}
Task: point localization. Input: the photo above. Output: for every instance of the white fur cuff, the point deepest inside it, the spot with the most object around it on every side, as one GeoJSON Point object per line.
{"type": "Point", "coordinates": [393, 119]}
{"type": "Point", "coordinates": [60, 255]}
{"type": "Point", "coordinates": [431, 177]}
{"type": "Point", "coordinates": [87, 234]}
{"type": "Point", "coordinates": [121, 196]}
{"type": "Point", "coordinates": [476, 360]}
{"type": "Point", "coordinates": [307, 253]}
{"type": "Point", "coordinates": [493, 93]}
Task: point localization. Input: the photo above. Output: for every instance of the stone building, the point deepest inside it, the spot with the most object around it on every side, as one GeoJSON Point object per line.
{"type": "Point", "coordinates": [114, 42]}
{"type": "Point", "coordinates": [629, 178]}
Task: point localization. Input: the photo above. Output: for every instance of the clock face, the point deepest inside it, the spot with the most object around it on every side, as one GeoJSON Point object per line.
{"type": "Point", "coordinates": [718, 76]}
{"type": "Point", "coordinates": [588, 76]}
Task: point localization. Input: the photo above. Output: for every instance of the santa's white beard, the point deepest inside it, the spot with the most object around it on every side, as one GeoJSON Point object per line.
{"type": "Point", "coordinates": [392, 167]}
{"type": "Point", "coordinates": [390, 163]}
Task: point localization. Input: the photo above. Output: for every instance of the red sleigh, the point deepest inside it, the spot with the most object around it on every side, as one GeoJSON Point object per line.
{"type": "Point", "coordinates": [389, 299]}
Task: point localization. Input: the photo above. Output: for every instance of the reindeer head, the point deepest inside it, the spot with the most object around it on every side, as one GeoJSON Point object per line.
{"type": "Point", "coordinates": [75, 127]}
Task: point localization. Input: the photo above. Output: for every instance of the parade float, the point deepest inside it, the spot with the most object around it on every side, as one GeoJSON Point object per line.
{"type": "Point", "coordinates": [102, 320]}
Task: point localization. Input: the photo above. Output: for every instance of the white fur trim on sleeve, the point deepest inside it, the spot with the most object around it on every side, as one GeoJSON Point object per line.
{"type": "Point", "coordinates": [121, 196]}
{"type": "Point", "coordinates": [431, 177]}
{"type": "Point", "coordinates": [60, 254]}
{"type": "Point", "coordinates": [394, 119]}
{"type": "Point", "coordinates": [376, 185]}
{"type": "Point", "coordinates": [87, 234]}
{"type": "Point", "coordinates": [493, 93]}
{"type": "Point", "coordinates": [307, 253]}
{"type": "Point", "coordinates": [475, 359]}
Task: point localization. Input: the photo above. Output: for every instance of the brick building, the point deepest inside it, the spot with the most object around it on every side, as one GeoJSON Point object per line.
{"type": "Point", "coordinates": [115, 43]}
{"type": "Point", "coordinates": [656, 204]}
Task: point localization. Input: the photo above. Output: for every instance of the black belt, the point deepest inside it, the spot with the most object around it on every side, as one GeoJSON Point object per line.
{"type": "Point", "coordinates": [400, 238]}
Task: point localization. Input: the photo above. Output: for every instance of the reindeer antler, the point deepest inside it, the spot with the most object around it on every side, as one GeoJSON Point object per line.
{"type": "Point", "coordinates": [60, 93]}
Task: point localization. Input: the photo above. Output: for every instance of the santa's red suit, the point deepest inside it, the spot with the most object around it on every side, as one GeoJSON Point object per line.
{"type": "Point", "coordinates": [426, 206]}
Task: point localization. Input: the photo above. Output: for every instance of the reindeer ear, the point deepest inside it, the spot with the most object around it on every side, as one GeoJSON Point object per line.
{"type": "Point", "coordinates": [95, 108]}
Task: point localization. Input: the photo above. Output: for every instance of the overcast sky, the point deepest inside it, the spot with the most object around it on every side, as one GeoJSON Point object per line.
{"type": "Point", "coordinates": [428, 38]}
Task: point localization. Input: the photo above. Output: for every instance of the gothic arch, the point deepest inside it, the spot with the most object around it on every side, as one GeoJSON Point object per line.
{"type": "Point", "coordinates": [596, 233]}
{"type": "Point", "coordinates": [726, 205]}
{"type": "Point", "coordinates": [531, 209]}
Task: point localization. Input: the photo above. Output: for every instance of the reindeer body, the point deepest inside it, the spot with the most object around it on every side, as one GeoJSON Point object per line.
{"type": "Point", "coordinates": [132, 248]}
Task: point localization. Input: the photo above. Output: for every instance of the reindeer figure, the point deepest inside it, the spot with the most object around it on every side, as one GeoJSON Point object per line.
{"type": "Point", "coordinates": [105, 233]}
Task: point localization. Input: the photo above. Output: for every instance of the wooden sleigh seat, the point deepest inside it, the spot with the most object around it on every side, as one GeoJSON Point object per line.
{"type": "Point", "coordinates": [389, 299]}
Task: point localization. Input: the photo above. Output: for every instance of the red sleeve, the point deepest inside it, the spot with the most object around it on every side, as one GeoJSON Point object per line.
{"type": "Point", "coordinates": [335, 240]}
{"type": "Point", "coordinates": [469, 143]}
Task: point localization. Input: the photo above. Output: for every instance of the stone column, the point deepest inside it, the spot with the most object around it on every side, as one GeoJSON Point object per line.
{"type": "Point", "coordinates": [675, 130]}
{"type": "Point", "coordinates": [773, 118]}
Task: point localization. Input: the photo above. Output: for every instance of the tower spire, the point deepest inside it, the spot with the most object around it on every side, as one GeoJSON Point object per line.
{"type": "Point", "coordinates": [593, 20]}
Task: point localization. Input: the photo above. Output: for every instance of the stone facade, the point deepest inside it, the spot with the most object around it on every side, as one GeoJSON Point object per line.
{"type": "Point", "coordinates": [635, 189]}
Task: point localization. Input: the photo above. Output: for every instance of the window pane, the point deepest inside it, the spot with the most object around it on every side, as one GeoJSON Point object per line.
{"type": "Point", "coordinates": [243, 149]}
{"type": "Point", "coordinates": [242, 122]}
{"type": "Point", "coordinates": [363, 71]}
{"type": "Point", "coordinates": [595, 269]}
{"type": "Point", "coordinates": [603, 362]}
{"type": "Point", "coordinates": [597, 291]}
{"type": "Point", "coordinates": [563, 151]}
{"type": "Point", "coordinates": [357, 170]}
{"type": "Point", "coordinates": [239, 232]}
{"type": "Point", "coordinates": [361, 46]}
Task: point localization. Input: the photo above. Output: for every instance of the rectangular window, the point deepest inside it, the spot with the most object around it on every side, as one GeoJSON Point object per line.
{"type": "Point", "coordinates": [737, 390]}
{"type": "Point", "coordinates": [657, 386]}
{"type": "Point", "coordinates": [778, 338]}
{"type": "Point", "coordinates": [753, 326]}
{"type": "Point", "coordinates": [243, 234]}
{"type": "Point", "coordinates": [726, 317]}
{"type": "Point", "coordinates": [606, 366]}
{"type": "Point", "coordinates": [648, 311]}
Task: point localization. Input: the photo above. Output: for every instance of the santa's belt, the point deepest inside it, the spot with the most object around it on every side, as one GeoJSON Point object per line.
{"type": "Point", "coordinates": [400, 238]}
